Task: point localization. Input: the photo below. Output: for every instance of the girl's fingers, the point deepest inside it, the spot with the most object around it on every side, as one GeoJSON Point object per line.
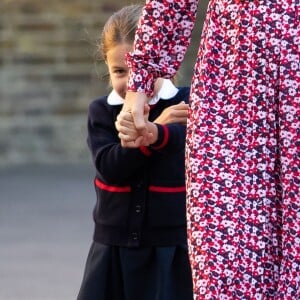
{"type": "Point", "coordinates": [124, 124]}
{"type": "Point", "coordinates": [128, 131]}
{"type": "Point", "coordinates": [132, 144]}
{"type": "Point", "coordinates": [127, 137]}
{"type": "Point", "coordinates": [124, 115]}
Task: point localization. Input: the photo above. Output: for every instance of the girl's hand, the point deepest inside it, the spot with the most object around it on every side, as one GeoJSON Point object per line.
{"type": "Point", "coordinates": [125, 126]}
{"type": "Point", "coordinates": [174, 114]}
{"type": "Point", "coordinates": [128, 133]}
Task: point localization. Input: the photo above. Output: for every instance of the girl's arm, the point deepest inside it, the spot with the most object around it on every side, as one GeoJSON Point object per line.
{"type": "Point", "coordinates": [166, 133]}
{"type": "Point", "coordinates": [177, 113]}
{"type": "Point", "coordinates": [114, 162]}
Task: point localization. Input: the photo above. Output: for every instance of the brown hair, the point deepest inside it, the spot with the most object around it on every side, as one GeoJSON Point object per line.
{"type": "Point", "coordinates": [119, 28]}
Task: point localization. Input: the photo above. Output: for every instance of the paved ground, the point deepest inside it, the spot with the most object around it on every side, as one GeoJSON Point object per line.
{"type": "Point", "coordinates": [45, 230]}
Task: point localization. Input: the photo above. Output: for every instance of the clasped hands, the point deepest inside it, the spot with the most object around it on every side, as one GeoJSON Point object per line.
{"type": "Point", "coordinates": [132, 123]}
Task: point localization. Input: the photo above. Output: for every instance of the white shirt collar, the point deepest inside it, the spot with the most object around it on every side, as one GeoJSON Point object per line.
{"type": "Point", "coordinates": [167, 91]}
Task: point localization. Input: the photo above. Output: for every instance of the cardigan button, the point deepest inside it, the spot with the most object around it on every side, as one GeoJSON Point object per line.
{"type": "Point", "coordinates": [138, 209]}
{"type": "Point", "coordinates": [139, 185]}
{"type": "Point", "coordinates": [134, 236]}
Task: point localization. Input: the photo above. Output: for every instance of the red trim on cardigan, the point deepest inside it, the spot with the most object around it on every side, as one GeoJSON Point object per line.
{"type": "Point", "coordinates": [126, 189]}
{"type": "Point", "coordinates": [166, 189]}
{"type": "Point", "coordinates": [145, 150]}
{"type": "Point", "coordinates": [165, 138]}
{"type": "Point", "coordinates": [112, 188]}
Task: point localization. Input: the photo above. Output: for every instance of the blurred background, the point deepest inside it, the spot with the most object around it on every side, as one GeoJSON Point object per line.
{"type": "Point", "coordinates": [48, 76]}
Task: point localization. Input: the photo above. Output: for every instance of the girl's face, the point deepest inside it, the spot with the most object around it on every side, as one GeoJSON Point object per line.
{"type": "Point", "coordinates": [117, 68]}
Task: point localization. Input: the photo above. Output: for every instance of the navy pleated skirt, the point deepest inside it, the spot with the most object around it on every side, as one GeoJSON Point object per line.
{"type": "Point", "coordinates": [150, 273]}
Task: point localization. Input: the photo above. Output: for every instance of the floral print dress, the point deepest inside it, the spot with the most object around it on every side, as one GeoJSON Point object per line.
{"type": "Point", "coordinates": [243, 139]}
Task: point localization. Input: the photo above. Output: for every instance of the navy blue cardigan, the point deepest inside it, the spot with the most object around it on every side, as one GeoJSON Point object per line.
{"type": "Point", "coordinates": [140, 192]}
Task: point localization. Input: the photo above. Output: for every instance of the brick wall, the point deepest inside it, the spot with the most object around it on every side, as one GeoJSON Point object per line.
{"type": "Point", "coordinates": [48, 75]}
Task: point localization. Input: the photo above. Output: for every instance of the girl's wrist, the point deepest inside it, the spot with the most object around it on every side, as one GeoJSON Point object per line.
{"type": "Point", "coordinates": [152, 128]}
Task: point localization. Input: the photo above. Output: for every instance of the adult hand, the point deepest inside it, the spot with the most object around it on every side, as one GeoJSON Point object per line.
{"type": "Point", "coordinates": [135, 104]}
{"type": "Point", "coordinates": [174, 114]}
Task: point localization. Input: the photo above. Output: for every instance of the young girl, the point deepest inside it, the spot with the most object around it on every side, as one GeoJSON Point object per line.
{"type": "Point", "coordinates": [139, 250]}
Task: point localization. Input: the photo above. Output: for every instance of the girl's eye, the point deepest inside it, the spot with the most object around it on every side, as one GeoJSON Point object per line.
{"type": "Point", "coordinates": [119, 71]}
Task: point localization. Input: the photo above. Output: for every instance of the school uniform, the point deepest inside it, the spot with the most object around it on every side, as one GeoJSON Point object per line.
{"type": "Point", "coordinates": [139, 250]}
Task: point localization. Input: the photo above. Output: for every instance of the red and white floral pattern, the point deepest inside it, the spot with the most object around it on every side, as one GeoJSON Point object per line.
{"type": "Point", "coordinates": [243, 139]}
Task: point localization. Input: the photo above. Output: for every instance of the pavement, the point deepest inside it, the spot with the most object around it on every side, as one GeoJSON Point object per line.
{"type": "Point", "coordinates": [45, 230]}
